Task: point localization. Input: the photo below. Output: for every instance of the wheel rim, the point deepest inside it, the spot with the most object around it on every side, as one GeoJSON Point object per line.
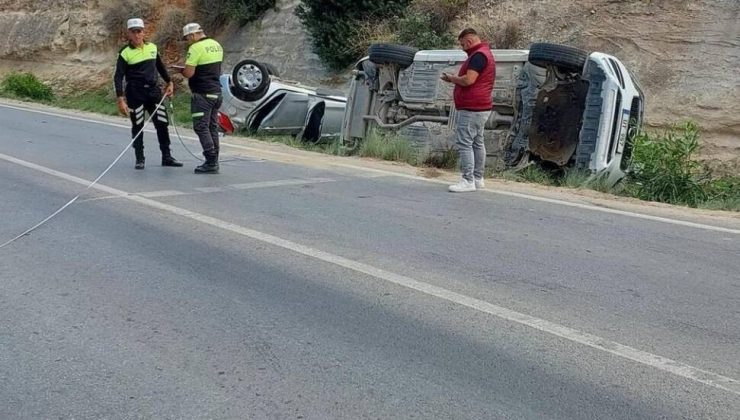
{"type": "Point", "coordinates": [249, 77]}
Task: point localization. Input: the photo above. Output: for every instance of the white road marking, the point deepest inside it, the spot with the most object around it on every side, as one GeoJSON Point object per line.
{"type": "Point", "coordinates": [649, 359]}
{"type": "Point", "coordinates": [107, 197]}
{"type": "Point", "coordinates": [163, 193]}
{"type": "Point", "coordinates": [419, 178]}
{"type": "Point", "coordinates": [280, 183]}
{"type": "Point", "coordinates": [255, 185]}
{"type": "Point", "coordinates": [209, 189]}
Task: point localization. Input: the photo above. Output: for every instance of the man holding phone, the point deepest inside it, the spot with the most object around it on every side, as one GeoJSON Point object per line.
{"type": "Point", "coordinates": [473, 102]}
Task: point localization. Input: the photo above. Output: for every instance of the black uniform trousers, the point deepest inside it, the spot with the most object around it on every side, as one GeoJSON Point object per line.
{"type": "Point", "coordinates": [146, 98]}
{"type": "Point", "coordinates": [204, 109]}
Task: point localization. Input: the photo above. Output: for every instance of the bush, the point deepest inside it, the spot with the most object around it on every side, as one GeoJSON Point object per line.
{"type": "Point", "coordinates": [664, 168]}
{"type": "Point", "coordinates": [535, 174]}
{"type": "Point", "coordinates": [416, 30]}
{"type": "Point", "coordinates": [26, 85]}
{"type": "Point", "coordinates": [723, 194]}
{"type": "Point", "coordinates": [333, 25]}
{"type": "Point", "coordinates": [388, 146]}
{"type": "Point", "coordinates": [370, 32]}
{"type": "Point", "coordinates": [342, 31]}
{"type": "Point", "coordinates": [214, 14]}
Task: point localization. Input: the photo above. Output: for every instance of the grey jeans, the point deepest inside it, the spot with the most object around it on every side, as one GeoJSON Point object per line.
{"type": "Point", "coordinates": [470, 146]}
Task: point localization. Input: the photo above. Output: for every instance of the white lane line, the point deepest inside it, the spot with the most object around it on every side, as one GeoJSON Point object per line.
{"type": "Point", "coordinates": [436, 181]}
{"type": "Point", "coordinates": [210, 189]}
{"type": "Point", "coordinates": [107, 197]}
{"type": "Point", "coordinates": [163, 193]}
{"type": "Point", "coordinates": [280, 183]}
{"type": "Point", "coordinates": [59, 115]}
{"type": "Point", "coordinates": [261, 184]}
{"type": "Point", "coordinates": [653, 360]}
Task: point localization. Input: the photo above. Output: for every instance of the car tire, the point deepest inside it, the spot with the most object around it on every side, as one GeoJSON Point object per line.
{"type": "Point", "coordinates": [251, 80]}
{"type": "Point", "coordinates": [392, 54]}
{"type": "Point", "coordinates": [567, 58]}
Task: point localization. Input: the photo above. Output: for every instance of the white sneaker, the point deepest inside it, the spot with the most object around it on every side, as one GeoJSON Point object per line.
{"type": "Point", "coordinates": [463, 186]}
{"type": "Point", "coordinates": [479, 184]}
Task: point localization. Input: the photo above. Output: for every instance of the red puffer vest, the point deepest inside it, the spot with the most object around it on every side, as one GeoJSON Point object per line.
{"type": "Point", "coordinates": [477, 97]}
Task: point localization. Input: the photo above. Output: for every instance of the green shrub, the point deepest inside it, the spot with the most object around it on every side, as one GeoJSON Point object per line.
{"type": "Point", "coordinates": [388, 146]}
{"type": "Point", "coordinates": [214, 14]}
{"type": "Point", "coordinates": [536, 174]}
{"type": "Point", "coordinates": [416, 30]}
{"type": "Point", "coordinates": [723, 194]}
{"type": "Point", "coordinates": [333, 25]}
{"type": "Point", "coordinates": [575, 178]}
{"type": "Point", "coordinates": [664, 168]}
{"type": "Point", "coordinates": [26, 85]}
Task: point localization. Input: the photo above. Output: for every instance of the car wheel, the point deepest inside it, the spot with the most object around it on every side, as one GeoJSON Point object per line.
{"type": "Point", "coordinates": [251, 80]}
{"type": "Point", "coordinates": [562, 56]}
{"type": "Point", "coordinates": [392, 54]}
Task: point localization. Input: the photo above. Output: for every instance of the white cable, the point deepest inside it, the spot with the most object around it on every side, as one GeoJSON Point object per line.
{"type": "Point", "coordinates": [120, 155]}
{"type": "Point", "coordinates": [182, 142]}
{"type": "Point", "coordinates": [172, 120]}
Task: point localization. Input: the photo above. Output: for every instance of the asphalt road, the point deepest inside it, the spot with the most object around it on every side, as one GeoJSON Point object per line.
{"type": "Point", "coordinates": [299, 290]}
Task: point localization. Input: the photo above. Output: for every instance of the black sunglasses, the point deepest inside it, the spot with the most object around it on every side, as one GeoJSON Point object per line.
{"type": "Point", "coordinates": [135, 30]}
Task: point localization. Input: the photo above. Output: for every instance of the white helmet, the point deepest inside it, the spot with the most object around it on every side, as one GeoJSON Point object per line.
{"type": "Point", "coordinates": [135, 23]}
{"type": "Point", "coordinates": [191, 28]}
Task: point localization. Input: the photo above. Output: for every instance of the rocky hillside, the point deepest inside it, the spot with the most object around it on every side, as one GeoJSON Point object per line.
{"type": "Point", "coordinates": [686, 52]}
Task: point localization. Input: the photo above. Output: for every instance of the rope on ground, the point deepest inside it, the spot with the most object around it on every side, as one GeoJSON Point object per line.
{"type": "Point", "coordinates": [69, 203]}
{"type": "Point", "coordinates": [172, 120]}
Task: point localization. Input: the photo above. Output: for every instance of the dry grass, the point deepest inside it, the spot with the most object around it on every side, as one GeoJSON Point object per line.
{"type": "Point", "coordinates": [168, 29]}
{"type": "Point", "coordinates": [370, 32]}
{"type": "Point", "coordinates": [508, 36]}
{"type": "Point", "coordinates": [441, 12]}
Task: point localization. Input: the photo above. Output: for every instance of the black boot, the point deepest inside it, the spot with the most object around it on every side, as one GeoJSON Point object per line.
{"type": "Point", "coordinates": [168, 160]}
{"type": "Point", "coordinates": [139, 158]}
{"type": "Point", "coordinates": [210, 166]}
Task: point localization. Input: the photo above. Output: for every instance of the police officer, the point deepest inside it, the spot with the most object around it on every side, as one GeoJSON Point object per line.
{"type": "Point", "coordinates": [138, 63]}
{"type": "Point", "coordinates": [203, 69]}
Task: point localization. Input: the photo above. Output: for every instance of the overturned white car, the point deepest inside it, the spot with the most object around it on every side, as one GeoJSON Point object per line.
{"type": "Point", "coordinates": [554, 104]}
{"type": "Point", "coordinates": [256, 100]}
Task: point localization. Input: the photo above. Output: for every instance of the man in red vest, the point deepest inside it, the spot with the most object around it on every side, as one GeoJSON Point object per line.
{"type": "Point", "coordinates": [474, 103]}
